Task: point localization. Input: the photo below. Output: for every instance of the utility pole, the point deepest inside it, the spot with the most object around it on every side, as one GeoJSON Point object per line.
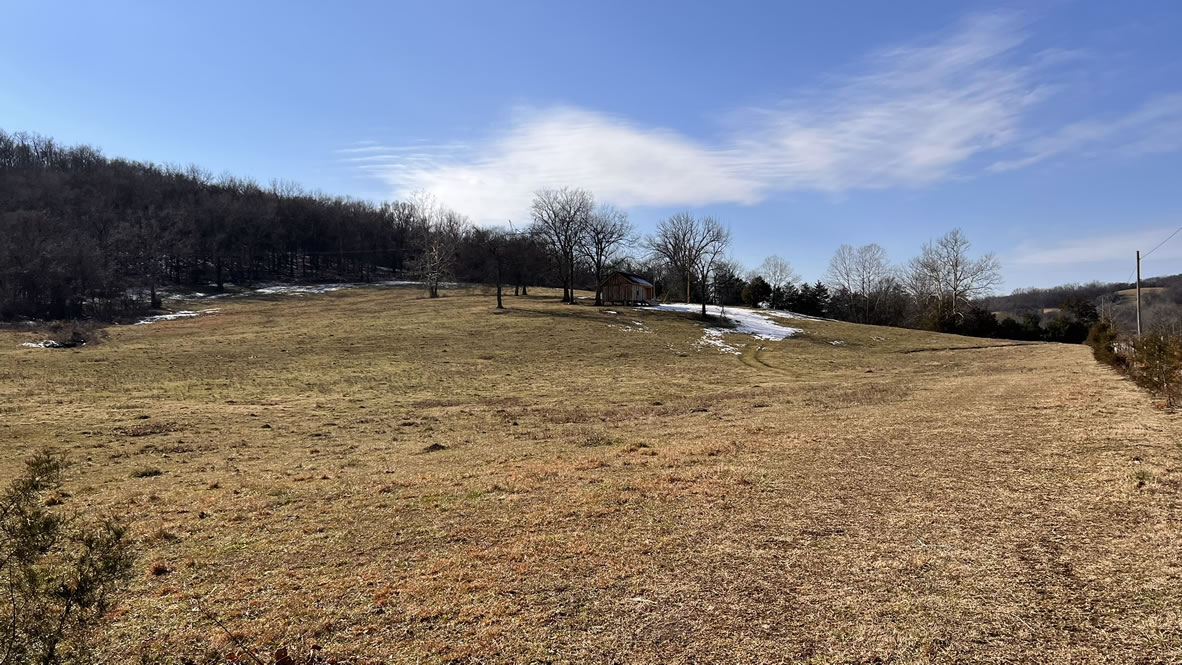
{"type": "Point", "coordinates": [1138, 293]}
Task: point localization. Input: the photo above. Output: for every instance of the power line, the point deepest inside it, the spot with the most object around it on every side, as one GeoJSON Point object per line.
{"type": "Point", "coordinates": [1155, 248]}
{"type": "Point", "coordinates": [1146, 254]}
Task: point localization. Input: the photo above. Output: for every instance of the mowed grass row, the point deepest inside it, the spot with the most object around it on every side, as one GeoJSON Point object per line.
{"type": "Point", "coordinates": [412, 480]}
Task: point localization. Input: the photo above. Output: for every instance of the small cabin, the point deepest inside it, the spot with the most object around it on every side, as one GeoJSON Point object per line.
{"type": "Point", "coordinates": [623, 287]}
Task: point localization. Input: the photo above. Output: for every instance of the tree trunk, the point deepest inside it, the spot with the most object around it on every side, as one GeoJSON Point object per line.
{"type": "Point", "coordinates": [499, 304]}
{"type": "Point", "coordinates": [565, 282]}
{"type": "Point", "coordinates": [570, 277]}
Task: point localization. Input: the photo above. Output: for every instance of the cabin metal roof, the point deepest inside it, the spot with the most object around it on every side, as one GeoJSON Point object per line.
{"type": "Point", "coordinates": [635, 279]}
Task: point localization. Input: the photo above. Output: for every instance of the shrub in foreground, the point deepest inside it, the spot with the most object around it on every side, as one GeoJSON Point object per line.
{"type": "Point", "coordinates": [1157, 363]}
{"type": "Point", "coordinates": [1102, 337]}
{"type": "Point", "coordinates": [57, 572]}
{"type": "Point", "coordinates": [1152, 360]}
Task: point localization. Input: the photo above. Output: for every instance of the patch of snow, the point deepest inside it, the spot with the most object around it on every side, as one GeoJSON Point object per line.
{"type": "Point", "coordinates": [747, 321]}
{"type": "Point", "coordinates": [713, 337]}
{"type": "Point", "coordinates": [44, 344]}
{"type": "Point", "coordinates": [405, 282]}
{"type": "Point", "coordinates": [298, 289]}
{"type": "Point", "coordinates": [170, 294]}
{"type": "Point", "coordinates": [639, 327]}
{"type": "Point", "coordinates": [785, 314]}
{"type": "Point", "coordinates": [838, 342]}
{"type": "Point", "coordinates": [281, 289]}
{"type": "Point", "coordinates": [185, 314]}
{"type": "Point", "coordinates": [610, 311]}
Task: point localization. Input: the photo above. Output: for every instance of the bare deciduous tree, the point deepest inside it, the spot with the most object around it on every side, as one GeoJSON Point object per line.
{"type": "Point", "coordinates": [496, 246]}
{"type": "Point", "coordinates": [525, 258]}
{"type": "Point", "coordinates": [727, 285]}
{"type": "Point", "coordinates": [841, 269]}
{"type": "Point", "coordinates": [862, 275]}
{"type": "Point", "coordinates": [607, 230]}
{"type": "Point", "coordinates": [690, 246]}
{"type": "Point", "coordinates": [778, 273]}
{"type": "Point", "coordinates": [439, 231]}
{"type": "Point", "coordinates": [944, 271]}
{"type": "Point", "coordinates": [561, 217]}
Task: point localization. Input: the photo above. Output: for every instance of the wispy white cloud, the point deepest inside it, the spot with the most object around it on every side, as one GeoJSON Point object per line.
{"type": "Point", "coordinates": [1155, 127]}
{"type": "Point", "coordinates": [370, 147]}
{"type": "Point", "coordinates": [1099, 249]}
{"type": "Point", "coordinates": [913, 118]}
{"type": "Point", "coordinates": [394, 150]}
{"type": "Point", "coordinates": [619, 161]}
{"type": "Point", "coordinates": [910, 116]}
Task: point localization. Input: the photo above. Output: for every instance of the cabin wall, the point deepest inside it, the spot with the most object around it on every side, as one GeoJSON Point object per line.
{"type": "Point", "coordinates": [619, 289]}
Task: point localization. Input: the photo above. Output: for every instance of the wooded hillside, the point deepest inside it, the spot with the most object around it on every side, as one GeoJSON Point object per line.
{"type": "Point", "coordinates": [1161, 300]}
{"type": "Point", "coordinates": [83, 234]}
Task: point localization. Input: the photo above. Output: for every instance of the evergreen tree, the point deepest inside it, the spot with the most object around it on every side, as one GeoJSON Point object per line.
{"type": "Point", "coordinates": [757, 292]}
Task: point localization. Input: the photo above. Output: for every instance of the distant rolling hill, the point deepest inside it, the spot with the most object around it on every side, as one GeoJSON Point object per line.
{"type": "Point", "coordinates": [1161, 300]}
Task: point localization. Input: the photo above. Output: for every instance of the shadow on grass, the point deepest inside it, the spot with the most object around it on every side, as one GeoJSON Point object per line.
{"type": "Point", "coordinates": [587, 313]}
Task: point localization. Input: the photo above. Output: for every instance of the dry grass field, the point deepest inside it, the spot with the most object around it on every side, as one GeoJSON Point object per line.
{"type": "Point", "coordinates": [404, 480]}
{"type": "Point", "coordinates": [1132, 293]}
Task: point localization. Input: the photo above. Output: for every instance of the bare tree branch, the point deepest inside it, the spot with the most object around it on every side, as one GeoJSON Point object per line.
{"type": "Point", "coordinates": [560, 217]}
{"type": "Point", "coordinates": [607, 230]}
{"type": "Point", "coordinates": [691, 247]}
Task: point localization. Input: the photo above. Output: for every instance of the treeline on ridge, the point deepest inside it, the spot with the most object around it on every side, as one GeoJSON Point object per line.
{"type": "Point", "coordinates": [86, 235]}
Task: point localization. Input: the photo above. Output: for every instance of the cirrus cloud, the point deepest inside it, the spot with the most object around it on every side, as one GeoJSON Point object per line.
{"type": "Point", "coordinates": [951, 107]}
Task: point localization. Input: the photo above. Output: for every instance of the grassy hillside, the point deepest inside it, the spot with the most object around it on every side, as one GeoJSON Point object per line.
{"type": "Point", "coordinates": [414, 480]}
{"type": "Point", "coordinates": [1126, 294]}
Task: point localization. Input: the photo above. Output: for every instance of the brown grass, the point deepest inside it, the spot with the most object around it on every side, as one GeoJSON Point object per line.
{"type": "Point", "coordinates": [597, 495]}
{"type": "Point", "coordinates": [1132, 293]}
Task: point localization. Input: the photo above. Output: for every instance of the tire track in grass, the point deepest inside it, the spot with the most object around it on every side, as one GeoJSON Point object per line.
{"type": "Point", "coordinates": [750, 357]}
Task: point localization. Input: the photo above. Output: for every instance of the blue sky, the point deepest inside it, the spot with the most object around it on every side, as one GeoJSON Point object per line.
{"type": "Point", "coordinates": [1050, 132]}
